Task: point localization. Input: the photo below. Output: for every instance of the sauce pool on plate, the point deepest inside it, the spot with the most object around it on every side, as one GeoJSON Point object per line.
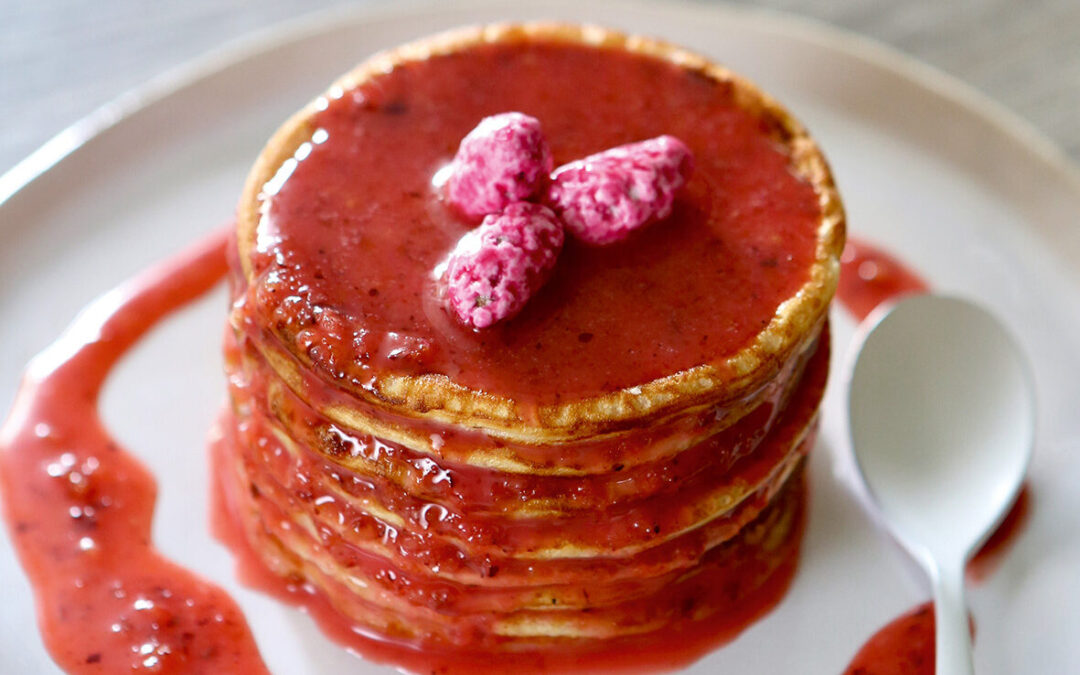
{"type": "Point", "coordinates": [79, 507]}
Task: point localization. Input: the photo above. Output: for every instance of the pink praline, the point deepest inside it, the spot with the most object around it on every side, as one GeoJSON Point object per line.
{"type": "Point", "coordinates": [497, 267]}
{"type": "Point", "coordinates": [505, 159]}
{"type": "Point", "coordinates": [604, 197]}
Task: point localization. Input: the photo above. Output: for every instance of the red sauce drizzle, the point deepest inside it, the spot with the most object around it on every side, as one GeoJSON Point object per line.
{"type": "Point", "coordinates": [870, 277]}
{"type": "Point", "coordinates": [79, 507]}
{"type": "Point", "coordinates": [903, 647]}
{"type": "Point", "coordinates": [987, 559]}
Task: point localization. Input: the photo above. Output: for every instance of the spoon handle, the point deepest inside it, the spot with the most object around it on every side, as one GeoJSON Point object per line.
{"type": "Point", "coordinates": [952, 630]}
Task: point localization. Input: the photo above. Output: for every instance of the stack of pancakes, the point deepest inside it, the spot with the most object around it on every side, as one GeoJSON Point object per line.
{"type": "Point", "coordinates": [434, 514]}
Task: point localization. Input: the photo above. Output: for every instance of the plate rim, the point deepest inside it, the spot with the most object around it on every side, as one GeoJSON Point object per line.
{"type": "Point", "coordinates": [159, 88]}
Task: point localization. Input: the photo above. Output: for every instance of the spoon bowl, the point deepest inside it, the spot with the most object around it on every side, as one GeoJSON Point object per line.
{"type": "Point", "coordinates": [942, 418]}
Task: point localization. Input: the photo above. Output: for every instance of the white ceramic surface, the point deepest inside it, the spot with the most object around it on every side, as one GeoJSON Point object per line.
{"type": "Point", "coordinates": [941, 409]}
{"type": "Point", "coordinates": [966, 193]}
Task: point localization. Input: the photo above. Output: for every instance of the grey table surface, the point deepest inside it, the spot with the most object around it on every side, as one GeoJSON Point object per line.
{"type": "Point", "coordinates": [60, 59]}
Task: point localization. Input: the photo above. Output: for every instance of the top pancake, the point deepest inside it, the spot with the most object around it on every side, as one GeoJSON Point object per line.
{"type": "Point", "coordinates": [339, 229]}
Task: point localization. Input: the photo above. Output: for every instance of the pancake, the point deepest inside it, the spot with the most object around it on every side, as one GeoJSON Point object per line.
{"type": "Point", "coordinates": [279, 270]}
{"type": "Point", "coordinates": [432, 530]}
{"type": "Point", "coordinates": [623, 460]}
{"type": "Point", "coordinates": [588, 598]}
{"type": "Point", "coordinates": [704, 481]}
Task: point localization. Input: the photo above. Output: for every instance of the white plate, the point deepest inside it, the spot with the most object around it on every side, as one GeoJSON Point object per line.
{"type": "Point", "coordinates": [969, 195]}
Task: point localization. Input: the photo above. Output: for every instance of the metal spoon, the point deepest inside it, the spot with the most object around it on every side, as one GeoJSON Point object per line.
{"type": "Point", "coordinates": [942, 417]}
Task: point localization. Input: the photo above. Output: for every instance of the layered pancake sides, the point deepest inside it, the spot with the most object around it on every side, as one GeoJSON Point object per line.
{"type": "Point", "coordinates": [625, 456]}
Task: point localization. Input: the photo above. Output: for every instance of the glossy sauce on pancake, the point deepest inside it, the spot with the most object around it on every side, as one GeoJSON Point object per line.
{"type": "Point", "coordinates": [350, 234]}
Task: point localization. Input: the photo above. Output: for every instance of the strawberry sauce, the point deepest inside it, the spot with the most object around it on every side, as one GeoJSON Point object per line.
{"type": "Point", "coordinates": [989, 557]}
{"type": "Point", "coordinates": [870, 276]}
{"type": "Point", "coordinates": [79, 507]}
{"type": "Point", "coordinates": [903, 647]}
